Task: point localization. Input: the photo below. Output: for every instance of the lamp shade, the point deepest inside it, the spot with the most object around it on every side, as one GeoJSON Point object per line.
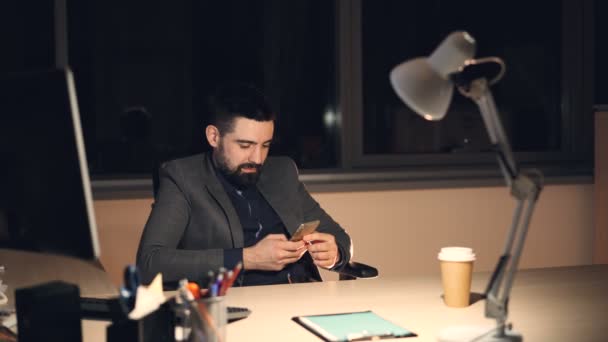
{"type": "Point", "coordinates": [424, 83]}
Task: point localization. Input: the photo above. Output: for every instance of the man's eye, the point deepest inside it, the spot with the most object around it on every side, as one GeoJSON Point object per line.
{"type": "Point", "coordinates": [266, 145]}
{"type": "Point", "coordinates": [245, 145]}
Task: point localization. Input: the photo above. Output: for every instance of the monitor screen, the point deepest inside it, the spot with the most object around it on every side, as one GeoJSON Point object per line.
{"type": "Point", "coordinates": [45, 193]}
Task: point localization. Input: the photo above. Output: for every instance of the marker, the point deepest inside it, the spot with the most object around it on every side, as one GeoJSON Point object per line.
{"type": "Point", "coordinates": [235, 274]}
{"type": "Point", "coordinates": [226, 282]}
{"type": "Point", "coordinates": [210, 282]}
{"type": "Point", "coordinates": [215, 288]}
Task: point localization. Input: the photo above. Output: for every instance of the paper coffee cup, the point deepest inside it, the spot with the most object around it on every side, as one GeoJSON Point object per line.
{"type": "Point", "coordinates": [456, 270]}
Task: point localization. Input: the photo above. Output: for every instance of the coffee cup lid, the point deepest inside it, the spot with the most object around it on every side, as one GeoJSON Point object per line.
{"type": "Point", "coordinates": [457, 254]}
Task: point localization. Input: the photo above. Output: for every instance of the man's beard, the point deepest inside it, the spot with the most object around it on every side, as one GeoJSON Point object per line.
{"type": "Point", "coordinates": [237, 177]}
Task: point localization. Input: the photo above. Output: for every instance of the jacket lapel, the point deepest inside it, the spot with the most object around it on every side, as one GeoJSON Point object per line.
{"type": "Point", "coordinates": [216, 191]}
{"type": "Point", "coordinates": [273, 191]}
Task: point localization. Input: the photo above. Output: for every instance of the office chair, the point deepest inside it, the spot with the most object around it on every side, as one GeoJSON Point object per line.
{"type": "Point", "coordinates": [350, 271]}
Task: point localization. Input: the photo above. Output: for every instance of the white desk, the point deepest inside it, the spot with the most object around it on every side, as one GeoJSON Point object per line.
{"type": "Point", "coordinates": [24, 269]}
{"type": "Point", "coordinates": [558, 304]}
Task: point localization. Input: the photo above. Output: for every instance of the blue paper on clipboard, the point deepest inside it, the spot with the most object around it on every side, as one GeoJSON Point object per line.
{"type": "Point", "coordinates": [352, 326]}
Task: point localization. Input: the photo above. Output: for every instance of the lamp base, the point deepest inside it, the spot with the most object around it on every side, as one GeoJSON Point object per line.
{"type": "Point", "coordinates": [477, 333]}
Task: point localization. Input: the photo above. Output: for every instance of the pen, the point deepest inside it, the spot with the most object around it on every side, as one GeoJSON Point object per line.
{"type": "Point", "coordinates": [210, 282]}
{"type": "Point", "coordinates": [226, 282]}
{"type": "Point", "coordinates": [224, 272]}
{"type": "Point", "coordinates": [215, 288]}
{"type": "Point", "coordinates": [232, 279]}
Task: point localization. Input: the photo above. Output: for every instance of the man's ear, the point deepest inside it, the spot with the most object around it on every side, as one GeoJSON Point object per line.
{"type": "Point", "coordinates": [213, 135]}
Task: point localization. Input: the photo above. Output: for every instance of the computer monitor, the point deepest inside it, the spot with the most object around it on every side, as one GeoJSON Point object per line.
{"type": "Point", "coordinates": [45, 193]}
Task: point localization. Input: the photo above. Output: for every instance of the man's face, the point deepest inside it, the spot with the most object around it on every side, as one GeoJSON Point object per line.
{"type": "Point", "coordinates": [241, 153]}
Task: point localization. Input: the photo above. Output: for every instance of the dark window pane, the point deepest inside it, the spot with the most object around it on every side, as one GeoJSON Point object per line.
{"type": "Point", "coordinates": [285, 48]}
{"type": "Point", "coordinates": [144, 73]}
{"type": "Point", "coordinates": [526, 34]}
{"type": "Point", "coordinates": [601, 52]}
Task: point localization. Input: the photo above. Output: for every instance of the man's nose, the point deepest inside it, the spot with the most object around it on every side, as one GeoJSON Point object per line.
{"type": "Point", "coordinates": [256, 155]}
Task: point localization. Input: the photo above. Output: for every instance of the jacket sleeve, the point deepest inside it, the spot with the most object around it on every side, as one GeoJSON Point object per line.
{"type": "Point", "coordinates": [313, 211]}
{"type": "Point", "coordinates": [158, 248]}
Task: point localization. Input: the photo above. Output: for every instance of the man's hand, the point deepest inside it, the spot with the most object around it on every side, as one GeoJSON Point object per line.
{"type": "Point", "coordinates": [272, 253]}
{"type": "Point", "coordinates": [323, 249]}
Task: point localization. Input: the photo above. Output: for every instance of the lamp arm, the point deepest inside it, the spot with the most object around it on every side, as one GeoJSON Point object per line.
{"type": "Point", "coordinates": [479, 91]}
{"type": "Point", "coordinates": [518, 249]}
{"type": "Point", "coordinates": [523, 189]}
{"type": "Point", "coordinates": [494, 284]}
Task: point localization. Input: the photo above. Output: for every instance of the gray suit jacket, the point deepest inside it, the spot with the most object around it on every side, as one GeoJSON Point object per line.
{"type": "Point", "coordinates": [193, 219]}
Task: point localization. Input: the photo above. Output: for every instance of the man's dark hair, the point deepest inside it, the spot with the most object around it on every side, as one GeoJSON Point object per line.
{"type": "Point", "coordinates": [234, 100]}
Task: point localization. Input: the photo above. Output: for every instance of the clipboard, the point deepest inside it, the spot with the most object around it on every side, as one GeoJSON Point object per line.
{"type": "Point", "coordinates": [352, 326]}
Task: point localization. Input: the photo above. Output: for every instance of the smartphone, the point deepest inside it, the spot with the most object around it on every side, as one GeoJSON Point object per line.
{"type": "Point", "coordinates": [304, 229]}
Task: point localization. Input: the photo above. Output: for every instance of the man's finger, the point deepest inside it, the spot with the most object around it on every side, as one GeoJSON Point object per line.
{"type": "Point", "coordinates": [276, 237]}
{"type": "Point", "coordinates": [322, 255]}
{"type": "Point", "coordinates": [326, 263]}
{"type": "Point", "coordinates": [321, 247]}
{"type": "Point", "coordinates": [292, 246]}
{"type": "Point", "coordinates": [319, 237]}
{"type": "Point", "coordinates": [303, 247]}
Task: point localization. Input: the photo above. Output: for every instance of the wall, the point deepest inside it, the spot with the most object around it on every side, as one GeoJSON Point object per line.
{"type": "Point", "coordinates": [401, 231]}
{"type": "Point", "coordinates": [119, 225]}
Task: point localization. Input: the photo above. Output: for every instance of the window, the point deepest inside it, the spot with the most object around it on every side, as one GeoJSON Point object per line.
{"type": "Point", "coordinates": [528, 96]}
{"type": "Point", "coordinates": [146, 71]}
{"type": "Point", "coordinates": [542, 98]}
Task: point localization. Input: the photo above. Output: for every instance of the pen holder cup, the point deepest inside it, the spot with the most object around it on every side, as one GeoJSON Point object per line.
{"type": "Point", "coordinates": [214, 318]}
{"type": "Point", "coordinates": [157, 326]}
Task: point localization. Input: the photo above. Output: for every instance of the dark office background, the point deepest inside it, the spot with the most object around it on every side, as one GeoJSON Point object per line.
{"type": "Point", "coordinates": [144, 71]}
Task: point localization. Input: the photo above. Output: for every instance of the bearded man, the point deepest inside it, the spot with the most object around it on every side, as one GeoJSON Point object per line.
{"type": "Point", "coordinates": [236, 204]}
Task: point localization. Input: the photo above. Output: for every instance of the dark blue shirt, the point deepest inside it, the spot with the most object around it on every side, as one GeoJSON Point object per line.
{"type": "Point", "coordinates": [258, 220]}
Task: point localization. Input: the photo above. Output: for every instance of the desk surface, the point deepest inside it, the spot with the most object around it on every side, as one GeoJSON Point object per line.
{"type": "Point", "coordinates": [556, 304]}
{"type": "Point", "coordinates": [24, 269]}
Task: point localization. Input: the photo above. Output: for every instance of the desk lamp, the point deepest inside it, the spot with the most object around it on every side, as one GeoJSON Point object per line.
{"type": "Point", "coordinates": [426, 85]}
